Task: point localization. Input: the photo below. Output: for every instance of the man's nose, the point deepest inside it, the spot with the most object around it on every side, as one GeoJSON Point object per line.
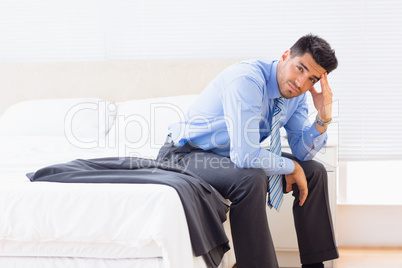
{"type": "Point", "coordinates": [300, 81]}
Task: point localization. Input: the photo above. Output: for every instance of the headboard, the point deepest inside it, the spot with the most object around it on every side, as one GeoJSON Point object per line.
{"type": "Point", "coordinates": [111, 80]}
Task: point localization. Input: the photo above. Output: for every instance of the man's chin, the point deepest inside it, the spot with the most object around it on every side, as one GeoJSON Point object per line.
{"type": "Point", "coordinates": [291, 94]}
{"type": "Point", "coordinates": [288, 94]}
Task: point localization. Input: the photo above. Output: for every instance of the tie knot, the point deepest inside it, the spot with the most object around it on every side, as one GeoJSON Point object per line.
{"type": "Point", "coordinates": [278, 105]}
{"type": "Point", "coordinates": [279, 102]}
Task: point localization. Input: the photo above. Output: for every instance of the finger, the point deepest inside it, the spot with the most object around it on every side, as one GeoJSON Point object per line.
{"type": "Point", "coordinates": [326, 89]}
{"type": "Point", "coordinates": [324, 82]}
{"type": "Point", "coordinates": [313, 91]}
{"type": "Point", "coordinates": [288, 187]}
{"type": "Point", "coordinates": [303, 193]}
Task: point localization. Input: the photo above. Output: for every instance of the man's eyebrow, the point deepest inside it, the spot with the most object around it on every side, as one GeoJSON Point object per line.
{"type": "Point", "coordinates": [305, 67]}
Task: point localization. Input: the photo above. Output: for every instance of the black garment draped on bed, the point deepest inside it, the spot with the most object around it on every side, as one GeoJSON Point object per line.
{"type": "Point", "coordinates": [204, 211]}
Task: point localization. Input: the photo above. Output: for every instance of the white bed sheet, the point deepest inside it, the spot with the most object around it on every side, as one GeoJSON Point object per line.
{"type": "Point", "coordinates": [90, 221]}
{"type": "Point", "coordinates": [55, 262]}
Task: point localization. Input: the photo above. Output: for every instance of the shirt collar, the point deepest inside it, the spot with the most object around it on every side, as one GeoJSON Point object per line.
{"type": "Point", "coordinates": [272, 84]}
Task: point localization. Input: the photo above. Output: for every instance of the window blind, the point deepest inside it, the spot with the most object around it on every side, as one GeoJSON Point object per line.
{"type": "Point", "coordinates": [365, 34]}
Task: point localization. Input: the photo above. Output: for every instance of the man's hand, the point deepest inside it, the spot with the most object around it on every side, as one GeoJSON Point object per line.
{"type": "Point", "coordinates": [323, 100]}
{"type": "Point", "coordinates": [298, 177]}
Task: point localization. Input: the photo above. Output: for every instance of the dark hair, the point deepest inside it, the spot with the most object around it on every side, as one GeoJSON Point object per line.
{"type": "Point", "coordinates": [318, 48]}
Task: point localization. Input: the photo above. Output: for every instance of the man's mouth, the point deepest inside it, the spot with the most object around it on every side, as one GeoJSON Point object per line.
{"type": "Point", "coordinates": [293, 87]}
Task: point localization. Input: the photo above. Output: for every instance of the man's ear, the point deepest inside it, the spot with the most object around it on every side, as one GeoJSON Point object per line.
{"type": "Point", "coordinates": [285, 55]}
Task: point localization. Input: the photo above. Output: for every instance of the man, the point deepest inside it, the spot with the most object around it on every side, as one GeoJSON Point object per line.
{"type": "Point", "coordinates": [221, 142]}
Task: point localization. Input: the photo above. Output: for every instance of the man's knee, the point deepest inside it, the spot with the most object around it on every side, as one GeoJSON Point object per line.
{"type": "Point", "coordinates": [255, 178]}
{"type": "Point", "coordinates": [251, 183]}
{"type": "Point", "coordinates": [316, 174]}
{"type": "Point", "coordinates": [314, 168]}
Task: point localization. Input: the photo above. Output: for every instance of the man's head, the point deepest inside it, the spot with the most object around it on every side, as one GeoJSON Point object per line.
{"type": "Point", "coordinates": [303, 65]}
{"type": "Point", "coordinates": [318, 48]}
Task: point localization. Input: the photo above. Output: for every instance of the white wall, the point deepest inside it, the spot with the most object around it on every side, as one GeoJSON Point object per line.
{"type": "Point", "coordinates": [369, 225]}
{"type": "Point", "coordinates": [366, 35]}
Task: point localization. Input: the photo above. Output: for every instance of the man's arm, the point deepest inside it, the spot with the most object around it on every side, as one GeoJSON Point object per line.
{"type": "Point", "coordinates": [306, 139]}
{"type": "Point", "coordinates": [323, 103]}
{"type": "Point", "coordinates": [242, 103]}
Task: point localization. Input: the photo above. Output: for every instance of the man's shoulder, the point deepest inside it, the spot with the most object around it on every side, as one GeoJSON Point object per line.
{"type": "Point", "coordinates": [257, 61]}
{"type": "Point", "coordinates": [258, 70]}
{"type": "Point", "coordinates": [256, 64]}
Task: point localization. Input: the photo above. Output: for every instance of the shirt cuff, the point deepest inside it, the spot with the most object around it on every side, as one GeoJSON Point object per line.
{"type": "Point", "coordinates": [289, 166]}
{"type": "Point", "coordinates": [314, 138]}
{"type": "Point", "coordinates": [285, 166]}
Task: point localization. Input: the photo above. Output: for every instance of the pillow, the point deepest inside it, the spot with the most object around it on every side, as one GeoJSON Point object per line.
{"type": "Point", "coordinates": [82, 119]}
{"type": "Point", "coordinates": [141, 126]}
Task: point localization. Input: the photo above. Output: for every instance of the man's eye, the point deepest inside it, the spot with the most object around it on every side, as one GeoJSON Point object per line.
{"type": "Point", "coordinates": [299, 68]}
{"type": "Point", "coordinates": [312, 80]}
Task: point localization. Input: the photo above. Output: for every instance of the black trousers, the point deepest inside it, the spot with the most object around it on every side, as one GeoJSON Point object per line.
{"type": "Point", "coordinates": [247, 188]}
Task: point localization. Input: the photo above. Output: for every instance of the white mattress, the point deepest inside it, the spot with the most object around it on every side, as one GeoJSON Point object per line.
{"type": "Point", "coordinates": [67, 222]}
{"type": "Point", "coordinates": [57, 262]}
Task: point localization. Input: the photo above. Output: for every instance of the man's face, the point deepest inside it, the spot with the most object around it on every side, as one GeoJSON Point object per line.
{"type": "Point", "coordinates": [296, 75]}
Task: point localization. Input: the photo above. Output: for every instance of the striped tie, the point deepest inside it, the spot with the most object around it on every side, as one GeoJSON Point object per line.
{"type": "Point", "coordinates": [275, 197]}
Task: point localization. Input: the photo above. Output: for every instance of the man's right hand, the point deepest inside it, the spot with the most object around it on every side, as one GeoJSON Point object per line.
{"type": "Point", "coordinates": [298, 177]}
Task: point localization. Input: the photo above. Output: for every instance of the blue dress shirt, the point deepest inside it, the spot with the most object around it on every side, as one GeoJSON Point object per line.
{"type": "Point", "coordinates": [233, 115]}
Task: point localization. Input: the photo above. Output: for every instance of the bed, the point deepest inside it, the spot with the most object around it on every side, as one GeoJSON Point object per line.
{"type": "Point", "coordinates": [110, 108]}
{"type": "Point", "coordinates": [45, 224]}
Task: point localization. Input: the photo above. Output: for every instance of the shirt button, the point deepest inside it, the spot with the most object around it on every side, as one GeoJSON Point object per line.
{"type": "Point", "coordinates": [316, 139]}
{"type": "Point", "coordinates": [311, 135]}
{"type": "Point", "coordinates": [308, 155]}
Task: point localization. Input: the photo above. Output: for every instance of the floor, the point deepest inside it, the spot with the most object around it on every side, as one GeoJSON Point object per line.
{"type": "Point", "coordinates": [359, 257]}
{"type": "Point", "coordinates": [369, 257]}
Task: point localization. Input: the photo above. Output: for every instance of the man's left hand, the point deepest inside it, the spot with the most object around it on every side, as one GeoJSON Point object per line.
{"type": "Point", "coordinates": [323, 100]}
